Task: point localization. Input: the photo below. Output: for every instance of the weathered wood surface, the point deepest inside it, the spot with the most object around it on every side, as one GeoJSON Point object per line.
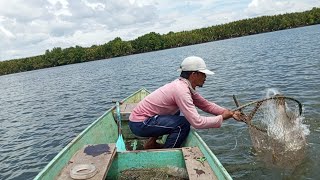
{"type": "Point", "coordinates": [126, 109]}
{"type": "Point", "coordinates": [100, 155]}
{"type": "Point", "coordinates": [197, 167]}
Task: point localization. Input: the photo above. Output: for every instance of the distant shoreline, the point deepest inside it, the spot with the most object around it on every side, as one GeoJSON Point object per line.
{"type": "Point", "coordinates": [154, 41]}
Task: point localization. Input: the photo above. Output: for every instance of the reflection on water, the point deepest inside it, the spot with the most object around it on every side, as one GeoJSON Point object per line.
{"type": "Point", "coordinates": [42, 111]}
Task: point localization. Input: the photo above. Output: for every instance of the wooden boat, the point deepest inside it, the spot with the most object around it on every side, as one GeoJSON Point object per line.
{"type": "Point", "coordinates": [194, 157]}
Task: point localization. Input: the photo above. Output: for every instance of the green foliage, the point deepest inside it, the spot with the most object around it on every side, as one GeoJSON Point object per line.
{"type": "Point", "coordinates": [115, 48]}
{"type": "Point", "coordinates": [154, 41]}
{"type": "Point", "coordinates": [148, 42]}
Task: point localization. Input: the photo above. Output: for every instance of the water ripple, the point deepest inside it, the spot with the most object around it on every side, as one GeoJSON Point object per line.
{"type": "Point", "coordinates": [42, 111]}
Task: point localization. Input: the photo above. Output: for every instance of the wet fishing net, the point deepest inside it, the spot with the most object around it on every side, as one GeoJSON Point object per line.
{"type": "Point", "coordinates": [172, 173]}
{"type": "Point", "coordinates": [276, 128]}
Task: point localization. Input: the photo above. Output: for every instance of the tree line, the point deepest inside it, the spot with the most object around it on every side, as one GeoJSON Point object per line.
{"type": "Point", "coordinates": [155, 41]}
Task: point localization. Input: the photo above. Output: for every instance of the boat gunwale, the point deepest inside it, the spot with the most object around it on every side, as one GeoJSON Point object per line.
{"type": "Point", "coordinates": [211, 154]}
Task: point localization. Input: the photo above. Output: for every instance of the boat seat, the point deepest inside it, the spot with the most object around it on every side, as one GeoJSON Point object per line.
{"type": "Point", "coordinates": [125, 110]}
{"type": "Point", "coordinates": [197, 166]}
{"type": "Point", "coordinates": [91, 161]}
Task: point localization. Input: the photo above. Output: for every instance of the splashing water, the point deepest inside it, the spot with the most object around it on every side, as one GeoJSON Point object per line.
{"type": "Point", "coordinates": [283, 144]}
{"type": "Point", "coordinates": [272, 92]}
{"type": "Point", "coordinates": [284, 124]}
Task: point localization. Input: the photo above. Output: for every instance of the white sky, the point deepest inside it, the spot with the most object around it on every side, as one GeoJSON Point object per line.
{"type": "Point", "coordinates": [29, 27]}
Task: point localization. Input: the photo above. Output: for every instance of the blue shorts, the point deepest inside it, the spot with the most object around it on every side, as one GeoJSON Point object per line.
{"type": "Point", "coordinates": [177, 127]}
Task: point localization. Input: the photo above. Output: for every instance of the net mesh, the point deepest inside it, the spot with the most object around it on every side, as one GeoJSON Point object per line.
{"type": "Point", "coordinates": [276, 126]}
{"type": "Point", "coordinates": [172, 173]}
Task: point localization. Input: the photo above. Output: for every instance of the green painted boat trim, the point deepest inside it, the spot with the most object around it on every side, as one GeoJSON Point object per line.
{"type": "Point", "coordinates": [104, 130]}
{"type": "Point", "coordinates": [194, 139]}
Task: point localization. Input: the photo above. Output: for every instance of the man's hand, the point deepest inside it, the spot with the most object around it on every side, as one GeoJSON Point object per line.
{"type": "Point", "coordinates": [237, 115]}
{"type": "Point", "coordinates": [227, 114]}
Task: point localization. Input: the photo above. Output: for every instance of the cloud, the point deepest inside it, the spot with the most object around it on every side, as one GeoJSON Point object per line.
{"type": "Point", "coordinates": [24, 12]}
{"type": "Point", "coordinates": [272, 7]}
{"type": "Point", "coordinates": [59, 23]}
{"type": "Point", "coordinates": [111, 14]}
{"type": "Point", "coordinates": [6, 33]}
{"type": "Point", "coordinates": [28, 28]}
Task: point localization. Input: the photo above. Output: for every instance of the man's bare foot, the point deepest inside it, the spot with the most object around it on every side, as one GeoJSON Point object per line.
{"type": "Point", "coordinates": [152, 144]}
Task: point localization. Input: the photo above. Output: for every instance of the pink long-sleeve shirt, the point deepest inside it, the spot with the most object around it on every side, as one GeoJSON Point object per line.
{"type": "Point", "coordinates": [174, 96]}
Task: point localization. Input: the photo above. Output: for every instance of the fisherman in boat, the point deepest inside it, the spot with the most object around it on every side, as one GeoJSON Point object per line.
{"type": "Point", "coordinates": [171, 109]}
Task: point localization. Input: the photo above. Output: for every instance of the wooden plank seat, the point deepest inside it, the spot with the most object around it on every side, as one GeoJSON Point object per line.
{"type": "Point", "coordinates": [196, 164]}
{"type": "Point", "coordinates": [125, 110]}
{"type": "Point", "coordinates": [92, 162]}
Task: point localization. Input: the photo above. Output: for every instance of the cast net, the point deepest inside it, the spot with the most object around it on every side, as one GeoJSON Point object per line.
{"type": "Point", "coordinates": [170, 172]}
{"type": "Point", "coordinates": [276, 126]}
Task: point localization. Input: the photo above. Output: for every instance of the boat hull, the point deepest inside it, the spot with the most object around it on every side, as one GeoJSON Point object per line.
{"type": "Point", "coordinates": [105, 131]}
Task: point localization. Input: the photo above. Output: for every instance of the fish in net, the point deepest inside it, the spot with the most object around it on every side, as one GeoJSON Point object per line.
{"type": "Point", "coordinates": [276, 128]}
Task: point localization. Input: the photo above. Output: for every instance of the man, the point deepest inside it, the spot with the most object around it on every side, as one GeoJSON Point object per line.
{"type": "Point", "coordinates": [171, 109]}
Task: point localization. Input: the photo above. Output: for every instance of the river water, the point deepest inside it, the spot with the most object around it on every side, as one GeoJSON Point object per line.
{"type": "Point", "coordinates": [42, 111]}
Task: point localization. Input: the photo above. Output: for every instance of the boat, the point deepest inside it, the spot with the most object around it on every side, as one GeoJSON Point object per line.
{"type": "Point", "coordinates": [194, 160]}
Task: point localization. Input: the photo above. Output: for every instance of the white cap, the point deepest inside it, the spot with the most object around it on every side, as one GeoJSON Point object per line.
{"type": "Point", "coordinates": [194, 63]}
